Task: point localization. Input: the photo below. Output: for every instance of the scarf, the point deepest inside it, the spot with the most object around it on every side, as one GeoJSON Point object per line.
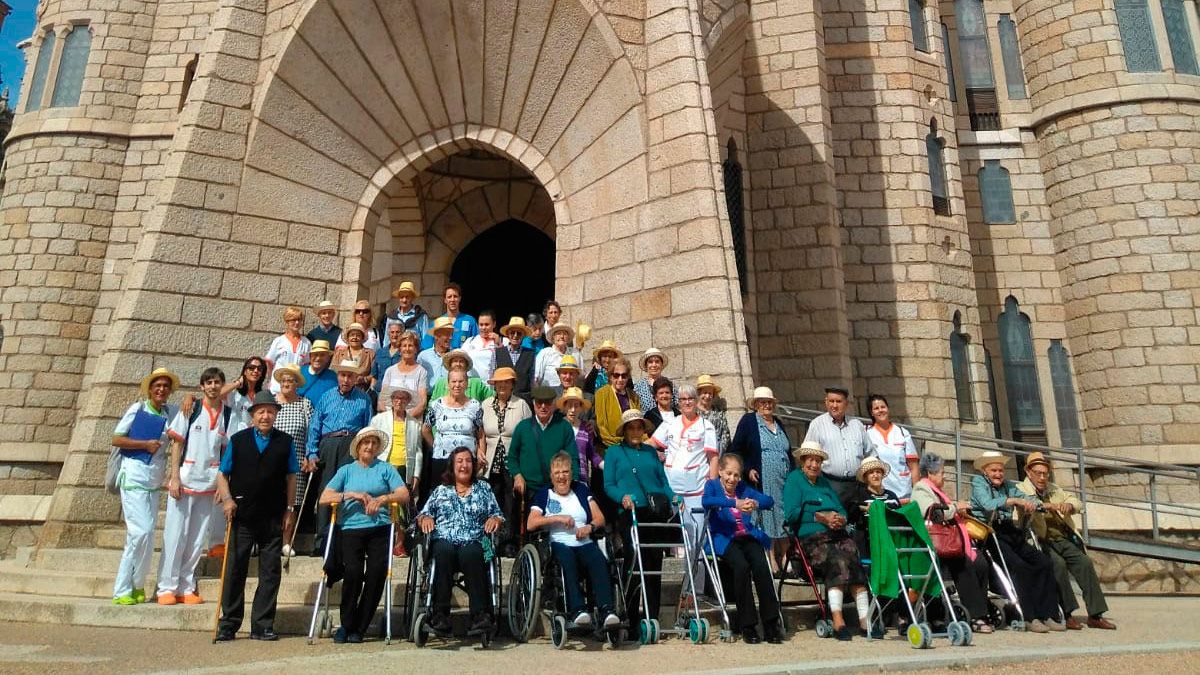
{"type": "Point", "coordinates": [962, 529]}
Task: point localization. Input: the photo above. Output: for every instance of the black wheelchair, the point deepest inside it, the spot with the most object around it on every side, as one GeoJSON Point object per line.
{"type": "Point", "coordinates": [537, 586]}
{"type": "Point", "coordinates": [418, 593]}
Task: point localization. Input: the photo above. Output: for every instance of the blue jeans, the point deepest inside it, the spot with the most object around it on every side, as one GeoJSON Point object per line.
{"type": "Point", "coordinates": [588, 557]}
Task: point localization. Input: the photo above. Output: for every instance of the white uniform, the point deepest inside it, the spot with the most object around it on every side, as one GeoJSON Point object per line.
{"type": "Point", "coordinates": [483, 354]}
{"type": "Point", "coordinates": [895, 447]}
{"type": "Point", "coordinates": [186, 531]}
{"type": "Point", "coordinates": [139, 481]}
{"type": "Point", "coordinates": [545, 366]}
{"type": "Point", "coordinates": [688, 447]}
{"type": "Point", "coordinates": [284, 352]}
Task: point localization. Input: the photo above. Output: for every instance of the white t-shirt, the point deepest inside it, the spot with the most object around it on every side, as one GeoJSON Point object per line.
{"type": "Point", "coordinates": [202, 451]}
{"type": "Point", "coordinates": [483, 354]}
{"type": "Point", "coordinates": [895, 448]}
{"type": "Point", "coordinates": [240, 418]}
{"type": "Point", "coordinates": [688, 446]}
{"type": "Point", "coordinates": [559, 505]}
{"type": "Point", "coordinates": [283, 352]}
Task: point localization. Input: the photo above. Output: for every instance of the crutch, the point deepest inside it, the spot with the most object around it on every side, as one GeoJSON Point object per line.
{"type": "Point", "coordinates": [221, 592]}
{"type": "Point", "coordinates": [321, 590]}
{"type": "Point", "coordinates": [387, 590]}
{"type": "Point", "coordinates": [287, 559]}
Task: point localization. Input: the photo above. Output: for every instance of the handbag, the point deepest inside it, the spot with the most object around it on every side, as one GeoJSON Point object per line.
{"type": "Point", "coordinates": [112, 472]}
{"type": "Point", "coordinates": [657, 503]}
{"type": "Point", "coordinates": [947, 539]}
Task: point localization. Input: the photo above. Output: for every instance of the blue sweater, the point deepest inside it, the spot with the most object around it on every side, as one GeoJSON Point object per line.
{"type": "Point", "coordinates": [722, 521]}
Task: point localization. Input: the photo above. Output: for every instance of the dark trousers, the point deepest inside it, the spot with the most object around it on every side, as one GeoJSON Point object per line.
{"type": "Point", "coordinates": [651, 562]}
{"type": "Point", "coordinates": [510, 506]}
{"type": "Point", "coordinates": [1032, 574]}
{"type": "Point", "coordinates": [1072, 561]}
{"type": "Point", "coordinates": [971, 581]}
{"type": "Point", "coordinates": [268, 534]}
{"type": "Point", "coordinates": [332, 454]}
{"type": "Point", "coordinates": [366, 553]}
{"type": "Point", "coordinates": [433, 469]}
{"type": "Point", "coordinates": [450, 558]}
{"type": "Point", "coordinates": [845, 489]}
{"type": "Point", "coordinates": [588, 559]}
{"type": "Point", "coordinates": [748, 566]}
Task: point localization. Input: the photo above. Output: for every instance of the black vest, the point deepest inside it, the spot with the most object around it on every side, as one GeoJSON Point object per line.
{"type": "Point", "coordinates": [258, 481]}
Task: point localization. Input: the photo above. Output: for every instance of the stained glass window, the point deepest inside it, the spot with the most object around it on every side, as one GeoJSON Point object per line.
{"type": "Point", "coordinates": [916, 19]}
{"type": "Point", "coordinates": [1179, 38]}
{"type": "Point", "coordinates": [1020, 372]}
{"type": "Point", "coordinates": [1010, 53]}
{"type": "Point", "coordinates": [71, 66]}
{"type": "Point", "coordinates": [995, 191]}
{"type": "Point", "coordinates": [1064, 395]}
{"type": "Point", "coordinates": [40, 71]}
{"type": "Point", "coordinates": [733, 205]}
{"type": "Point", "coordinates": [1137, 36]}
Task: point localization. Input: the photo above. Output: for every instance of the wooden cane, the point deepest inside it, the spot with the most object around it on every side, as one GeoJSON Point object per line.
{"type": "Point", "coordinates": [221, 587]}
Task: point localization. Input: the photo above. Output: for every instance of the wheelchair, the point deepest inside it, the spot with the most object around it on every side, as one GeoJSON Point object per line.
{"type": "Point", "coordinates": [537, 586]}
{"type": "Point", "coordinates": [417, 609]}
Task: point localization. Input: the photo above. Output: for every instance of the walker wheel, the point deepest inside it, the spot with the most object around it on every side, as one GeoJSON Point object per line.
{"type": "Point", "coordinates": [644, 631]}
{"type": "Point", "coordinates": [920, 636]}
{"type": "Point", "coordinates": [954, 631]}
{"type": "Point", "coordinates": [824, 628]}
{"type": "Point", "coordinates": [558, 631]}
{"type": "Point", "coordinates": [968, 635]}
{"type": "Point", "coordinates": [698, 631]}
{"type": "Point", "coordinates": [654, 631]}
{"type": "Point", "coordinates": [418, 630]}
{"type": "Point", "coordinates": [1017, 624]}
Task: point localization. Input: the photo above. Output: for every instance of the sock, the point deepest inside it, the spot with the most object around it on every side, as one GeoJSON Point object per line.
{"type": "Point", "coordinates": [835, 600]}
{"type": "Point", "coordinates": [863, 604]}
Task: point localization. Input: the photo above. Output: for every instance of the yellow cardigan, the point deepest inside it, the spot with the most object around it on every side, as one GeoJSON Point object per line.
{"type": "Point", "coordinates": [608, 412]}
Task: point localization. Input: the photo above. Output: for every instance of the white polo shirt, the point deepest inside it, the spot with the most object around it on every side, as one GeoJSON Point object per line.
{"type": "Point", "coordinates": [202, 450]}
{"type": "Point", "coordinates": [688, 447]}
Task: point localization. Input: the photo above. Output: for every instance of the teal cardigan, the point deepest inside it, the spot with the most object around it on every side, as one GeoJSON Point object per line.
{"type": "Point", "coordinates": [801, 517]}
{"type": "Point", "coordinates": [620, 463]}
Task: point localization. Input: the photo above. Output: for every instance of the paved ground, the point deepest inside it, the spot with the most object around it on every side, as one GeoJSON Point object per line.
{"type": "Point", "coordinates": [1157, 635]}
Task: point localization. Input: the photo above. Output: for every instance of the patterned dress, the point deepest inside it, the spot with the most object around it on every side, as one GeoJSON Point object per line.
{"type": "Point", "coordinates": [775, 467]}
{"type": "Point", "coordinates": [293, 419]}
{"type": "Point", "coordinates": [721, 424]}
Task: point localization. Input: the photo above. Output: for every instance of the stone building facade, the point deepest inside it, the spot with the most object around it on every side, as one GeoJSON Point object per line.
{"type": "Point", "coordinates": [988, 210]}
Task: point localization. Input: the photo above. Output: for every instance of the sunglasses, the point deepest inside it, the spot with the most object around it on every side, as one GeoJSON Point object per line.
{"type": "Point", "coordinates": [620, 376]}
{"type": "Point", "coordinates": [254, 367]}
{"type": "Point", "coordinates": [362, 311]}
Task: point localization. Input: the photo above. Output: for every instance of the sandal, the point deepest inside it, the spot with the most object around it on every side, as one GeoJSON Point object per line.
{"type": "Point", "coordinates": [981, 626]}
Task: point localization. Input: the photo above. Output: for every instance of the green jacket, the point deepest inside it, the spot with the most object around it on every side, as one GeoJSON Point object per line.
{"type": "Point", "coordinates": [532, 448]}
{"type": "Point", "coordinates": [801, 516]}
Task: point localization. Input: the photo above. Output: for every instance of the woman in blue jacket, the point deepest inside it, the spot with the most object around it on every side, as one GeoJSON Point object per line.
{"type": "Point", "coordinates": [742, 546]}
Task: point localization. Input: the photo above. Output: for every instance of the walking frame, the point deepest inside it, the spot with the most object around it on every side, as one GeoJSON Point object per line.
{"type": "Point", "coordinates": [688, 623]}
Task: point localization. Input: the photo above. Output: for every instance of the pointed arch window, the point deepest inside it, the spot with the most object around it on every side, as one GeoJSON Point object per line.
{"type": "Point", "coordinates": [935, 152]}
{"type": "Point", "coordinates": [41, 70]}
{"type": "Point", "coordinates": [1020, 374]}
{"type": "Point", "coordinates": [995, 192]}
{"type": "Point", "coordinates": [71, 66]}
{"type": "Point", "coordinates": [732, 170]}
{"type": "Point", "coordinates": [949, 63]}
{"type": "Point", "coordinates": [960, 364]}
{"type": "Point", "coordinates": [1179, 37]}
{"type": "Point", "coordinates": [916, 20]}
{"type": "Point", "coordinates": [1064, 395]}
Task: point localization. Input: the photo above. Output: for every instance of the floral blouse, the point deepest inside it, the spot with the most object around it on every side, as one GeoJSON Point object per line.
{"type": "Point", "coordinates": [459, 520]}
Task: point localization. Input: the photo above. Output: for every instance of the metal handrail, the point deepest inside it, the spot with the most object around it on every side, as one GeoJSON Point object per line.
{"type": "Point", "coordinates": [1083, 463]}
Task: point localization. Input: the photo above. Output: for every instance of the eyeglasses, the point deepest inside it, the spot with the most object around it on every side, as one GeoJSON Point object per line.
{"type": "Point", "coordinates": [686, 398]}
{"type": "Point", "coordinates": [254, 366]}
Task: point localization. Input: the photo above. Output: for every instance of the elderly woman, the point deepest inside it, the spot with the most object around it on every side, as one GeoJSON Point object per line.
{"type": "Point", "coordinates": [664, 408]}
{"type": "Point", "coordinates": [815, 513]}
{"type": "Point", "coordinates": [501, 413]}
{"type": "Point", "coordinates": [613, 399]}
{"type": "Point", "coordinates": [603, 358]}
{"type": "Point", "coordinates": [632, 473]}
{"type": "Point", "coordinates": [406, 373]}
{"type": "Point", "coordinates": [566, 509]}
{"type": "Point", "coordinates": [477, 389]}
{"type": "Point", "coordinates": [401, 446]}
{"type": "Point", "coordinates": [742, 547]}
{"type": "Point", "coordinates": [706, 403]}
{"type": "Point", "coordinates": [294, 417]}
{"type": "Point", "coordinates": [459, 513]}
{"type": "Point", "coordinates": [970, 570]}
{"type": "Point", "coordinates": [894, 445]}
{"type": "Point", "coordinates": [452, 421]}
{"type": "Point", "coordinates": [141, 437]}
{"type": "Point", "coordinates": [998, 500]}
{"type": "Point", "coordinates": [653, 363]}
{"type": "Point", "coordinates": [870, 488]}
{"type": "Point", "coordinates": [545, 367]}
{"type": "Point", "coordinates": [356, 350]}
{"type": "Point", "coordinates": [291, 348]}
{"type": "Point", "coordinates": [762, 442]}
{"type": "Point", "coordinates": [366, 488]}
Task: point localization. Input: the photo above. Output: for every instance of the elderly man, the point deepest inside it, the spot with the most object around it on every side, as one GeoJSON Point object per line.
{"type": "Point", "coordinates": [386, 357]}
{"type": "Point", "coordinates": [514, 354]}
{"type": "Point", "coordinates": [256, 487]}
{"type": "Point", "coordinates": [318, 378]}
{"type": "Point", "coordinates": [1055, 528]}
{"type": "Point", "coordinates": [432, 358]}
{"type": "Point", "coordinates": [536, 440]}
{"type": "Point", "coordinates": [845, 440]}
{"type": "Point", "coordinates": [337, 417]}
{"type": "Point", "coordinates": [408, 314]}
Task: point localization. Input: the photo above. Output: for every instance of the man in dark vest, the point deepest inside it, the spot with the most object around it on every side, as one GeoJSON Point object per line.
{"type": "Point", "coordinates": [513, 355]}
{"type": "Point", "coordinates": [256, 488]}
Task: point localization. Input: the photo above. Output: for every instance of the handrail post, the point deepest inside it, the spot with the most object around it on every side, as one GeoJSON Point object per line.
{"type": "Point", "coordinates": [1082, 491]}
{"type": "Point", "coordinates": [958, 493]}
{"type": "Point", "coordinates": [1154, 506]}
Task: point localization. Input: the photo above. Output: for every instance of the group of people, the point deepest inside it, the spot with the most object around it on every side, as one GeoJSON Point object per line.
{"type": "Point", "coordinates": [485, 430]}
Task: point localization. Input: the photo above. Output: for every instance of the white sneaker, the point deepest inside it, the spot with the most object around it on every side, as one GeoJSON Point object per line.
{"type": "Point", "coordinates": [612, 620]}
{"type": "Point", "coordinates": [583, 620]}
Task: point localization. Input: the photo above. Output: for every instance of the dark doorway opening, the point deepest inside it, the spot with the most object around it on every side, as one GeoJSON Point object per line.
{"type": "Point", "coordinates": [509, 268]}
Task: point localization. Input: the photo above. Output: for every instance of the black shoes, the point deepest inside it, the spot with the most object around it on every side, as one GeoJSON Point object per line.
{"type": "Point", "coordinates": [774, 636]}
{"type": "Point", "coordinates": [354, 639]}
{"type": "Point", "coordinates": [226, 636]}
{"type": "Point", "coordinates": [844, 634]}
{"type": "Point", "coordinates": [266, 636]}
{"type": "Point", "coordinates": [750, 636]}
{"type": "Point", "coordinates": [339, 636]}
{"type": "Point", "coordinates": [440, 624]}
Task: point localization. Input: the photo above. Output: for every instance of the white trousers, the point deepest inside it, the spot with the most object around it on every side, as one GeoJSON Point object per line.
{"type": "Point", "coordinates": [694, 522]}
{"type": "Point", "coordinates": [140, 508]}
{"type": "Point", "coordinates": [185, 539]}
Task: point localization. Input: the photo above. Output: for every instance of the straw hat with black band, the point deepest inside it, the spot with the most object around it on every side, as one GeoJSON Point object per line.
{"type": "Point", "coordinates": [515, 323]}
{"type": "Point", "coordinates": [157, 374]}
{"type": "Point", "coordinates": [290, 369]}
{"type": "Point", "coordinates": [706, 381]}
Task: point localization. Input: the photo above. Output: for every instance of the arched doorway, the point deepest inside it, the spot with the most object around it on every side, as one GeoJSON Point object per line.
{"type": "Point", "coordinates": [509, 268]}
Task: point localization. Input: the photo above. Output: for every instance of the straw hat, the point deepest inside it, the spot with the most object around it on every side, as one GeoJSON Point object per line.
{"type": "Point", "coordinates": [991, 457]}
{"type": "Point", "coordinates": [348, 366]}
{"type": "Point", "coordinates": [561, 327]}
{"type": "Point", "coordinates": [320, 347]}
{"type": "Point", "coordinates": [653, 351]}
{"type": "Point", "coordinates": [503, 373]}
{"type": "Point", "coordinates": [405, 288]}
{"type": "Point", "coordinates": [264, 398]}
{"type": "Point", "coordinates": [631, 415]}
{"type": "Point", "coordinates": [397, 389]}
{"type": "Point", "coordinates": [1035, 458]}
{"type": "Point", "coordinates": [573, 394]}
{"type": "Point", "coordinates": [707, 381]}
{"type": "Point", "coordinates": [291, 369]}
{"type": "Point", "coordinates": [364, 433]}
{"type": "Point", "coordinates": [568, 363]}
{"type": "Point", "coordinates": [457, 354]}
{"type": "Point", "coordinates": [324, 305]}
{"type": "Point", "coordinates": [356, 326]}
{"type": "Point", "coordinates": [442, 323]}
{"type": "Point", "coordinates": [809, 449]}
{"type": "Point", "coordinates": [157, 373]}
{"type": "Point", "coordinates": [518, 323]}
{"type": "Point", "coordinates": [606, 346]}
{"type": "Point", "coordinates": [870, 464]}
{"type": "Point", "coordinates": [760, 393]}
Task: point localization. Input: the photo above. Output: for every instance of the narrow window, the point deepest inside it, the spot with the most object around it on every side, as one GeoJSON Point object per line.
{"type": "Point", "coordinates": [1183, 50]}
{"type": "Point", "coordinates": [935, 150]}
{"type": "Point", "coordinates": [916, 20]}
{"type": "Point", "coordinates": [1010, 53]}
{"type": "Point", "coordinates": [976, 56]}
{"type": "Point", "coordinates": [960, 364]}
{"type": "Point", "coordinates": [1064, 395]}
{"type": "Point", "coordinates": [189, 74]}
{"type": "Point", "coordinates": [949, 63]}
{"type": "Point", "coordinates": [40, 71]}
{"type": "Point", "coordinates": [733, 205]}
{"type": "Point", "coordinates": [1137, 36]}
{"type": "Point", "coordinates": [995, 191]}
{"type": "Point", "coordinates": [993, 400]}
{"type": "Point", "coordinates": [71, 67]}
{"type": "Point", "coordinates": [1020, 374]}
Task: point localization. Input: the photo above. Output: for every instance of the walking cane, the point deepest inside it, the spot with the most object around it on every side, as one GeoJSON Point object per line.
{"type": "Point", "coordinates": [387, 590]}
{"type": "Point", "coordinates": [221, 592]}
{"type": "Point", "coordinates": [291, 542]}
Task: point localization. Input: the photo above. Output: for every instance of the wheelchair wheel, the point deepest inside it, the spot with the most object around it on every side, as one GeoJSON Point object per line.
{"type": "Point", "coordinates": [525, 593]}
{"type": "Point", "coordinates": [414, 590]}
{"type": "Point", "coordinates": [558, 631]}
{"type": "Point", "coordinates": [418, 629]}
{"type": "Point", "coordinates": [824, 628]}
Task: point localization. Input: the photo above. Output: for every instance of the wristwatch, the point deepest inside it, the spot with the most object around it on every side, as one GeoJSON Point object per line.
{"type": "Point", "coordinates": [291, 509]}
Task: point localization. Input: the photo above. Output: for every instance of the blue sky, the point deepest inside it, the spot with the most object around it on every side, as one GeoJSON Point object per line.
{"type": "Point", "coordinates": [18, 26]}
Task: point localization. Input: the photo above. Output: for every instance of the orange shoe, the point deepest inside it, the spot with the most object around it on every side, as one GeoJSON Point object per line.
{"type": "Point", "coordinates": [167, 599]}
{"type": "Point", "coordinates": [191, 599]}
{"type": "Point", "coordinates": [217, 551]}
